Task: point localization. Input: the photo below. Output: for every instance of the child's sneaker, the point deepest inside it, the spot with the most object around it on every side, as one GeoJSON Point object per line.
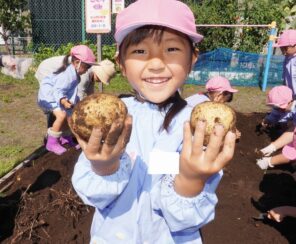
{"type": "Point", "coordinates": [264, 163]}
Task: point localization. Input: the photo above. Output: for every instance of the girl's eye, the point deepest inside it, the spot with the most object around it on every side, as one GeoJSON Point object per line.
{"type": "Point", "coordinates": [138, 51]}
{"type": "Point", "coordinates": [173, 49]}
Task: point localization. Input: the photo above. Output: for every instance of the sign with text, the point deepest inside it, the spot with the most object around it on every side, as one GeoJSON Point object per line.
{"type": "Point", "coordinates": [117, 6]}
{"type": "Point", "coordinates": [98, 16]}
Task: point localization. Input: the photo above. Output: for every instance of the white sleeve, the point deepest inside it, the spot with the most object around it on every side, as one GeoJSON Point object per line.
{"type": "Point", "coordinates": [100, 191]}
{"type": "Point", "coordinates": [183, 212]}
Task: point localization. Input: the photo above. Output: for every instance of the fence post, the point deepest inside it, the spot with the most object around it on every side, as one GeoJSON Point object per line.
{"type": "Point", "coordinates": [82, 21]}
{"type": "Point", "coordinates": [269, 53]}
{"type": "Point", "coordinates": [99, 56]}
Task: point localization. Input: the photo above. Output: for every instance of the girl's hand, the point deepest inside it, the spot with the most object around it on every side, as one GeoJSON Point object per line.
{"type": "Point", "coordinates": [66, 103]}
{"type": "Point", "coordinates": [105, 155]}
{"type": "Point", "coordinates": [238, 134]}
{"type": "Point", "coordinates": [276, 214]}
{"type": "Point", "coordinates": [198, 164]}
{"type": "Point", "coordinates": [264, 124]}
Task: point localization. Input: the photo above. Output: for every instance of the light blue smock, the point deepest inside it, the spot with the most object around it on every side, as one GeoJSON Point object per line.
{"type": "Point", "coordinates": [289, 73]}
{"type": "Point", "coordinates": [57, 86]}
{"type": "Point", "coordinates": [195, 99]}
{"type": "Point", "coordinates": [134, 207]}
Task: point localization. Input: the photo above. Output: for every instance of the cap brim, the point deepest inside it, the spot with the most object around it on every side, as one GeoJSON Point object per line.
{"type": "Point", "coordinates": [277, 45]}
{"type": "Point", "coordinates": [90, 63]}
{"type": "Point", "coordinates": [232, 90]}
{"type": "Point", "coordinates": [283, 106]}
{"type": "Point", "coordinates": [222, 90]}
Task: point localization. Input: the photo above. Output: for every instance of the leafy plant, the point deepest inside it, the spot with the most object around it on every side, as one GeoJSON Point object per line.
{"type": "Point", "coordinates": [253, 12]}
{"type": "Point", "coordinates": [44, 51]}
{"type": "Point", "coordinates": [109, 52]}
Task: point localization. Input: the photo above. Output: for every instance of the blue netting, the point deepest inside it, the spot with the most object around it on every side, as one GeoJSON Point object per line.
{"type": "Point", "coordinates": [241, 68]}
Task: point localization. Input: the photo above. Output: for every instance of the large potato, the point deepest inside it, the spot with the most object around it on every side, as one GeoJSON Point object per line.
{"type": "Point", "coordinates": [212, 113]}
{"type": "Point", "coordinates": [99, 110]}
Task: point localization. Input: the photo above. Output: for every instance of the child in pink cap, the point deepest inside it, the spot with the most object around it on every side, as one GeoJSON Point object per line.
{"type": "Point", "coordinates": [58, 94]}
{"type": "Point", "coordinates": [218, 90]}
{"type": "Point", "coordinates": [155, 183]}
{"type": "Point", "coordinates": [287, 43]}
{"type": "Point", "coordinates": [280, 98]}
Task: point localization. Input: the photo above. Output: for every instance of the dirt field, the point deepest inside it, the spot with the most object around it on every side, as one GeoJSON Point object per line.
{"type": "Point", "coordinates": [41, 207]}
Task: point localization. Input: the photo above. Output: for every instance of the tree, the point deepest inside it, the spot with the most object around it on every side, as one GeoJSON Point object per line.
{"type": "Point", "coordinates": [13, 19]}
{"type": "Point", "coordinates": [248, 12]}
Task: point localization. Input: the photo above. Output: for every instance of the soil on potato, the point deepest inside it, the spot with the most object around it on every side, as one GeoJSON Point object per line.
{"type": "Point", "coordinates": [42, 207]}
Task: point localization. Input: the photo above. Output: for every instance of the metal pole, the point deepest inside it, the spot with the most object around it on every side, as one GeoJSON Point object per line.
{"type": "Point", "coordinates": [272, 37]}
{"type": "Point", "coordinates": [82, 20]}
{"type": "Point", "coordinates": [234, 25]}
{"type": "Point", "coordinates": [99, 57]}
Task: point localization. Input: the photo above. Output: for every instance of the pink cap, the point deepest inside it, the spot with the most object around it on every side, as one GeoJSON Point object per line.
{"type": "Point", "coordinates": [83, 53]}
{"type": "Point", "coordinates": [219, 83]}
{"type": "Point", "coordinates": [287, 38]}
{"type": "Point", "coordinates": [168, 13]}
{"type": "Point", "coordinates": [279, 96]}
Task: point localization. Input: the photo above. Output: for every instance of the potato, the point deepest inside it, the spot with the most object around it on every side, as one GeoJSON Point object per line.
{"type": "Point", "coordinates": [99, 110]}
{"type": "Point", "coordinates": [212, 113]}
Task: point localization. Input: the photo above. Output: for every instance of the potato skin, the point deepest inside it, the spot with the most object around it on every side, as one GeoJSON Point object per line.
{"type": "Point", "coordinates": [212, 113]}
{"type": "Point", "coordinates": [98, 109]}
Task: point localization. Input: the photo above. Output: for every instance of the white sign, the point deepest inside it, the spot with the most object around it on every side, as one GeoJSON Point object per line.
{"type": "Point", "coordinates": [98, 16]}
{"type": "Point", "coordinates": [117, 6]}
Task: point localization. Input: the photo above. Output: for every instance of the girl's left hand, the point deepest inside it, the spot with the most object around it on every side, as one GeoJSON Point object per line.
{"type": "Point", "coordinates": [198, 164]}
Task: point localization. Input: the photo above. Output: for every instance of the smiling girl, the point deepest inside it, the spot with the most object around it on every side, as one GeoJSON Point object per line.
{"type": "Point", "coordinates": [133, 203]}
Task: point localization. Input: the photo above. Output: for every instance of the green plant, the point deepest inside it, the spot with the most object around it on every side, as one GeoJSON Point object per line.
{"type": "Point", "coordinates": [250, 12]}
{"type": "Point", "coordinates": [109, 52]}
{"type": "Point", "coordinates": [44, 51]}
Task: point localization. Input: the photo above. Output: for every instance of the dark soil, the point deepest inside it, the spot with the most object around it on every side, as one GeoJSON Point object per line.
{"type": "Point", "coordinates": [41, 206]}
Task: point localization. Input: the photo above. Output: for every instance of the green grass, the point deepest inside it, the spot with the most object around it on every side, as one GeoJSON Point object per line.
{"type": "Point", "coordinates": [10, 156]}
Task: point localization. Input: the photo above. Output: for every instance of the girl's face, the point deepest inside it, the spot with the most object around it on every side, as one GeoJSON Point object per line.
{"type": "Point", "coordinates": [288, 50]}
{"type": "Point", "coordinates": [157, 69]}
{"type": "Point", "coordinates": [81, 67]}
{"type": "Point", "coordinates": [223, 97]}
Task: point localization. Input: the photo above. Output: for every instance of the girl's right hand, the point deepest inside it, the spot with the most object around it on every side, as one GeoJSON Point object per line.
{"type": "Point", "coordinates": [104, 156]}
{"type": "Point", "coordinates": [66, 103]}
{"type": "Point", "coordinates": [276, 214]}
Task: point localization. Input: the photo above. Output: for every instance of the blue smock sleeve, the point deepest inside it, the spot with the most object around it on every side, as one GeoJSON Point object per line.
{"type": "Point", "coordinates": [184, 213]}
{"type": "Point", "coordinates": [99, 191]}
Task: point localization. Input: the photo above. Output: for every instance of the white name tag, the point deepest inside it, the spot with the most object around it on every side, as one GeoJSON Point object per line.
{"type": "Point", "coordinates": [161, 162]}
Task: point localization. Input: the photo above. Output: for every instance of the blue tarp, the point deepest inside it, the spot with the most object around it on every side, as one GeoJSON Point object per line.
{"type": "Point", "coordinates": [241, 68]}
